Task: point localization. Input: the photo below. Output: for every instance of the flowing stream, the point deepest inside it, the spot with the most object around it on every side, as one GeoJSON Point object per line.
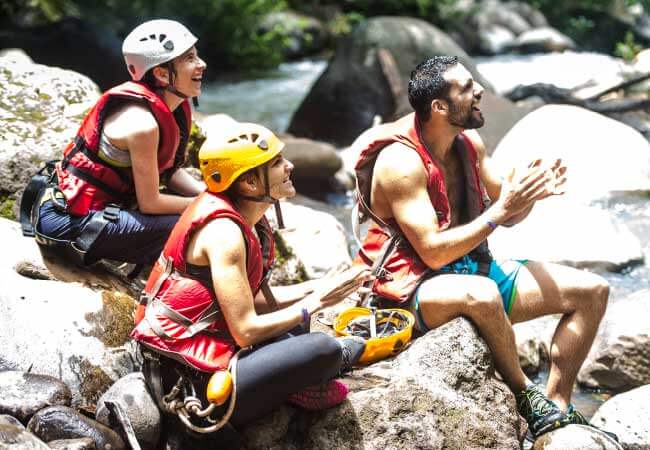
{"type": "Point", "coordinates": [271, 98]}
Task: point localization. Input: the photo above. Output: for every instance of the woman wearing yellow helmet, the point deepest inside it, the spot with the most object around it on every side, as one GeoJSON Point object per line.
{"type": "Point", "coordinates": [104, 200]}
{"type": "Point", "coordinates": [206, 297]}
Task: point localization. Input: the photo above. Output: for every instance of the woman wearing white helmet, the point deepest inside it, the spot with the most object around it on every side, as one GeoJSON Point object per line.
{"type": "Point", "coordinates": [105, 199]}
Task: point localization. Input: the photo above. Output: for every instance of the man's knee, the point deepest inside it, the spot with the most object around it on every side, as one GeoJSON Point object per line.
{"type": "Point", "coordinates": [599, 293]}
{"type": "Point", "coordinates": [483, 303]}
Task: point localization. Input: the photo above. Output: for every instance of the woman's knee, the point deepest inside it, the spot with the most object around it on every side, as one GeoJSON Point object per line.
{"type": "Point", "coordinates": [325, 351]}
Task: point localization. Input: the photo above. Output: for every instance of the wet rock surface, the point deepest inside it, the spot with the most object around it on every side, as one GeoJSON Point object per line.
{"type": "Point", "coordinates": [6, 419]}
{"type": "Point", "coordinates": [628, 416]}
{"type": "Point", "coordinates": [72, 444]}
{"type": "Point", "coordinates": [23, 394]}
{"type": "Point", "coordinates": [132, 394]}
{"type": "Point", "coordinates": [17, 438]}
{"type": "Point", "coordinates": [576, 437]}
{"type": "Point", "coordinates": [61, 422]}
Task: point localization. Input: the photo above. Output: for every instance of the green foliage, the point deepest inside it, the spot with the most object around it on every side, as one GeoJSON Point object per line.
{"type": "Point", "coordinates": [629, 48]}
{"type": "Point", "coordinates": [7, 207]}
{"type": "Point", "coordinates": [343, 24]}
{"type": "Point", "coordinates": [227, 29]}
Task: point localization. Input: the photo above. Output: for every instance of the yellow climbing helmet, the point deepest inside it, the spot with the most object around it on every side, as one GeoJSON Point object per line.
{"type": "Point", "coordinates": [386, 331]}
{"type": "Point", "coordinates": [244, 146]}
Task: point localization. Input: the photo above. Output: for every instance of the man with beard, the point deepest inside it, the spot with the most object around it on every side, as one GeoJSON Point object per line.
{"type": "Point", "coordinates": [425, 181]}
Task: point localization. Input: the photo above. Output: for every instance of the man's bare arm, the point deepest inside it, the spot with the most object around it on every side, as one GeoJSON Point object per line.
{"type": "Point", "coordinates": [402, 181]}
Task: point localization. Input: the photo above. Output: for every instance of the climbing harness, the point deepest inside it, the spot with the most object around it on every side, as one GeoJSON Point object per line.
{"type": "Point", "coordinates": [182, 400]}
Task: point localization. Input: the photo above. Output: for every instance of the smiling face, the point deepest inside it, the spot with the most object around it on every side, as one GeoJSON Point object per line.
{"type": "Point", "coordinates": [189, 73]}
{"type": "Point", "coordinates": [463, 98]}
{"type": "Point", "coordinates": [279, 172]}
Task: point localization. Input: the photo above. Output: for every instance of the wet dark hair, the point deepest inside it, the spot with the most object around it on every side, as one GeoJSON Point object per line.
{"type": "Point", "coordinates": [427, 84]}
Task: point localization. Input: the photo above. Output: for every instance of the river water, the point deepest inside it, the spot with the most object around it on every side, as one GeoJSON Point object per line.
{"type": "Point", "coordinates": [271, 97]}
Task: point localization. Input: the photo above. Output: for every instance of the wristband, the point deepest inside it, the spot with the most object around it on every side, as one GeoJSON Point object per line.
{"type": "Point", "coordinates": [305, 316]}
{"type": "Point", "coordinates": [491, 224]}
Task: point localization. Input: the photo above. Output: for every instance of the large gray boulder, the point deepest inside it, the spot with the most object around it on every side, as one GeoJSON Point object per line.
{"type": "Point", "coordinates": [555, 232]}
{"type": "Point", "coordinates": [301, 35]}
{"type": "Point", "coordinates": [41, 108]}
{"type": "Point", "coordinates": [576, 437]}
{"type": "Point", "coordinates": [316, 238]}
{"type": "Point", "coordinates": [62, 422]}
{"type": "Point", "coordinates": [66, 330]}
{"type": "Point", "coordinates": [493, 27]}
{"type": "Point", "coordinates": [131, 393]}
{"type": "Point", "coordinates": [363, 81]}
{"type": "Point", "coordinates": [17, 438]}
{"type": "Point", "coordinates": [601, 154]}
{"type": "Point", "coordinates": [439, 393]}
{"type": "Point", "coordinates": [23, 394]}
{"type": "Point", "coordinates": [628, 416]}
{"type": "Point", "coordinates": [620, 357]}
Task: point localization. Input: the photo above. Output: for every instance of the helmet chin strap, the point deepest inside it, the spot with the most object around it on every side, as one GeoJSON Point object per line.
{"type": "Point", "coordinates": [171, 88]}
{"type": "Point", "coordinates": [266, 198]}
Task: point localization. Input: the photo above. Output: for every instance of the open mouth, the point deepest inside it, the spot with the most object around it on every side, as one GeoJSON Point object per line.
{"type": "Point", "coordinates": [197, 79]}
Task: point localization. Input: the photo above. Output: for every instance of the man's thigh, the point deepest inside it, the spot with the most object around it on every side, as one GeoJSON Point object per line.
{"type": "Point", "coordinates": [444, 297]}
{"type": "Point", "coordinates": [547, 288]}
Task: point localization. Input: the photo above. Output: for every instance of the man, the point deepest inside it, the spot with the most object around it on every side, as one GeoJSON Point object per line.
{"type": "Point", "coordinates": [426, 179]}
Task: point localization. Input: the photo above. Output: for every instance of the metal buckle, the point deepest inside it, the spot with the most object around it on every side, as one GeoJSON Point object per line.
{"type": "Point", "coordinates": [111, 212]}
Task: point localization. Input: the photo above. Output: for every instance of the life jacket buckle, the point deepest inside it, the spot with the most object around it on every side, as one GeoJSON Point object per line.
{"type": "Point", "coordinates": [111, 212]}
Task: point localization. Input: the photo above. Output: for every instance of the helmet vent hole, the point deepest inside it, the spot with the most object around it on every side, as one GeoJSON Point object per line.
{"type": "Point", "coordinates": [152, 36]}
{"type": "Point", "coordinates": [243, 137]}
{"type": "Point", "coordinates": [254, 136]}
{"type": "Point", "coordinates": [233, 140]}
{"type": "Point", "coordinates": [144, 39]}
{"type": "Point", "coordinates": [216, 176]}
{"type": "Point", "coordinates": [162, 37]}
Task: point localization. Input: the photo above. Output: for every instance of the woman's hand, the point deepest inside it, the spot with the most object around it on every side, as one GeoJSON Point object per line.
{"type": "Point", "coordinates": [336, 287]}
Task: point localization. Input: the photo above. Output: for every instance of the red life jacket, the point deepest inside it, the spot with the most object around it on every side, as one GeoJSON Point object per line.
{"type": "Point", "coordinates": [182, 319]}
{"type": "Point", "coordinates": [403, 268]}
{"type": "Point", "coordinates": [88, 182]}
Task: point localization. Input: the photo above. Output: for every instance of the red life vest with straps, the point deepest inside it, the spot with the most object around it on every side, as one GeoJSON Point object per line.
{"type": "Point", "coordinates": [403, 269]}
{"type": "Point", "coordinates": [182, 319]}
{"type": "Point", "coordinates": [87, 181]}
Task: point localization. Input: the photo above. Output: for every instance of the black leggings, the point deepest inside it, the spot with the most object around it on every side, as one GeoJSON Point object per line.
{"type": "Point", "coordinates": [269, 373]}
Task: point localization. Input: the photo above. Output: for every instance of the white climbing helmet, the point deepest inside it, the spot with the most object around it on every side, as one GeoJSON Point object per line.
{"type": "Point", "coordinates": [153, 43]}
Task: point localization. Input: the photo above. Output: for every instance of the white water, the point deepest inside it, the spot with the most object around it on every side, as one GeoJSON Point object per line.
{"type": "Point", "coordinates": [566, 70]}
{"type": "Point", "coordinates": [269, 100]}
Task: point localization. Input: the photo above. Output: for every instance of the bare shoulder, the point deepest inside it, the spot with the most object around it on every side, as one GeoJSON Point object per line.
{"type": "Point", "coordinates": [399, 166]}
{"type": "Point", "coordinates": [132, 119]}
{"type": "Point", "coordinates": [477, 142]}
{"type": "Point", "coordinates": [222, 238]}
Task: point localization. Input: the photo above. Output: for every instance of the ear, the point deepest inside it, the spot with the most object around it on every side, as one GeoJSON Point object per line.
{"type": "Point", "coordinates": [249, 183]}
{"type": "Point", "coordinates": [161, 74]}
{"type": "Point", "coordinates": [439, 106]}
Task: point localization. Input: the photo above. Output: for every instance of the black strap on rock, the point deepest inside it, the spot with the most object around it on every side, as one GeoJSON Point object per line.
{"type": "Point", "coordinates": [33, 191]}
{"type": "Point", "coordinates": [152, 376]}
